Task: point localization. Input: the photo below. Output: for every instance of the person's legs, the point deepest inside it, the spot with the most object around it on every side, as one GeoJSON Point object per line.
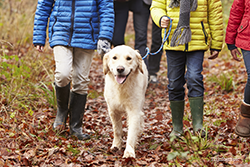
{"type": "Point", "coordinates": [246, 57]}
{"type": "Point", "coordinates": [81, 67]}
{"type": "Point", "coordinates": [121, 17]}
{"type": "Point", "coordinates": [193, 76]}
{"type": "Point", "coordinates": [140, 21]}
{"type": "Point", "coordinates": [195, 88]}
{"type": "Point", "coordinates": [176, 62]}
{"type": "Point", "coordinates": [154, 60]}
{"type": "Point", "coordinates": [63, 60]}
{"type": "Point", "coordinates": [243, 125]}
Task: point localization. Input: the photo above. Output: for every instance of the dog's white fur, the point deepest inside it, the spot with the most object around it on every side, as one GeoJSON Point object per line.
{"type": "Point", "coordinates": [127, 97]}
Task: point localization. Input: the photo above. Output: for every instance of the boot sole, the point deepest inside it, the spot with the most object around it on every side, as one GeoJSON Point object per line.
{"type": "Point", "coordinates": [241, 134]}
{"type": "Point", "coordinates": [79, 137]}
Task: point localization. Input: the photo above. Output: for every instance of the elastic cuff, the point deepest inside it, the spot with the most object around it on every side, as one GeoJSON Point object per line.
{"type": "Point", "coordinates": [231, 46]}
{"type": "Point", "coordinates": [215, 50]}
{"type": "Point", "coordinates": [104, 39]}
{"type": "Point", "coordinates": [38, 44]}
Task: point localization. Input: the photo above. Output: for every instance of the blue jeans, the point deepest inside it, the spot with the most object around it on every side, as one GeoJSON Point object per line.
{"type": "Point", "coordinates": [246, 57]}
{"type": "Point", "coordinates": [154, 61]}
{"type": "Point", "coordinates": [140, 20]}
{"type": "Point", "coordinates": [177, 62]}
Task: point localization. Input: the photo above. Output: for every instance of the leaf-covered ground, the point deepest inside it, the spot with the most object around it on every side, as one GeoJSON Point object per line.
{"type": "Point", "coordinates": [27, 138]}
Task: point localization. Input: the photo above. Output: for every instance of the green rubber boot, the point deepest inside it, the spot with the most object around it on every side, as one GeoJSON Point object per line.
{"type": "Point", "coordinates": [177, 110]}
{"type": "Point", "coordinates": [196, 106]}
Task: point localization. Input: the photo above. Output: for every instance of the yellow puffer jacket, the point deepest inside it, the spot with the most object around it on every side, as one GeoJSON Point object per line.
{"type": "Point", "coordinates": [206, 24]}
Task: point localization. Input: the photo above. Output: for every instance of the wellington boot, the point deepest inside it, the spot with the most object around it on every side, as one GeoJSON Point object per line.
{"type": "Point", "coordinates": [177, 110]}
{"type": "Point", "coordinates": [77, 109]}
{"type": "Point", "coordinates": [243, 125]}
{"type": "Point", "coordinates": [62, 97]}
{"type": "Point", "coordinates": [196, 106]}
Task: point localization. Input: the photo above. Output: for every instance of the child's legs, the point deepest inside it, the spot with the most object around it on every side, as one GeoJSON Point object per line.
{"type": "Point", "coordinates": [194, 77]}
{"type": "Point", "coordinates": [81, 66]}
{"type": "Point", "coordinates": [176, 61]}
{"type": "Point", "coordinates": [246, 56]}
{"type": "Point", "coordinates": [63, 60]}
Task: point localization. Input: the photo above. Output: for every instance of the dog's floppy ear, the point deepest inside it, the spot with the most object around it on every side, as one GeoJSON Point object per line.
{"type": "Point", "coordinates": [105, 63]}
{"type": "Point", "coordinates": [139, 61]}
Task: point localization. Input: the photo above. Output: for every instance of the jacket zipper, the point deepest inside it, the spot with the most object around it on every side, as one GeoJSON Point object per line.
{"type": "Point", "coordinates": [204, 31]}
{"type": "Point", "coordinates": [52, 29]}
{"type": "Point", "coordinates": [186, 47]}
{"type": "Point", "coordinates": [72, 21]}
{"type": "Point", "coordinates": [92, 29]}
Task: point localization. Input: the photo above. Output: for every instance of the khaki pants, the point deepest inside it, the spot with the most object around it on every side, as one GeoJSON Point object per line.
{"type": "Point", "coordinates": [73, 64]}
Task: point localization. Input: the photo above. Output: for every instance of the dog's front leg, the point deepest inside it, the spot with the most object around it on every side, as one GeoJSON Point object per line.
{"type": "Point", "coordinates": [116, 119]}
{"type": "Point", "coordinates": [135, 126]}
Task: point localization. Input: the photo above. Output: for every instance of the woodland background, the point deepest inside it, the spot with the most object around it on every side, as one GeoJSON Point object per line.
{"type": "Point", "coordinates": [28, 108]}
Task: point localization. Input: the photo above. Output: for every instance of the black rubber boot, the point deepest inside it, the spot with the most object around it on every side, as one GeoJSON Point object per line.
{"type": "Point", "coordinates": [76, 110]}
{"type": "Point", "coordinates": [62, 98]}
{"type": "Point", "coordinates": [177, 110]}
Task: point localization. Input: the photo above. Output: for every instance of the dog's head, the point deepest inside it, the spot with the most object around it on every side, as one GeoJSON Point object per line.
{"type": "Point", "coordinates": [121, 61]}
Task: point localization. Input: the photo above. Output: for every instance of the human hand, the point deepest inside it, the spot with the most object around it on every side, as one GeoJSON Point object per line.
{"type": "Point", "coordinates": [39, 48]}
{"type": "Point", "coordinates": [164, 22]}
{"type": "Point", "coordinates": [236, 53]}
{"type": "Point", "coordinates": [103, 46]}
{"type": "Point", "coordinates": [213, 54]}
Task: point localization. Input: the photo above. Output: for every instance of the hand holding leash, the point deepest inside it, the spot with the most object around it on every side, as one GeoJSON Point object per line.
{"type": "Point", "coordinates": [165, 21]}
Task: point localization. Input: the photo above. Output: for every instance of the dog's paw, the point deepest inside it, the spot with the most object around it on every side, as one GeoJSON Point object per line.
{"type": "Point", "coordinates": [129, 152]}
{"type": "Point", "coordinates": [115, 151]}
{"type": "Point", "coordinates": [115, 147]}
{"type": "Point", "coordinates": [116, 144]}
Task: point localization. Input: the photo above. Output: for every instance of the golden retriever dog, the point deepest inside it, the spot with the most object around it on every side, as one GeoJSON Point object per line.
{"type": "Point", "coordinates": [126, 80]}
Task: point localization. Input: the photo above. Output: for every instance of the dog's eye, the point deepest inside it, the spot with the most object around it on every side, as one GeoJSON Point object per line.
{"type": "Point", "coordinates": [114, 57]}
{"type": "Point", "coordinates": [129, 58]}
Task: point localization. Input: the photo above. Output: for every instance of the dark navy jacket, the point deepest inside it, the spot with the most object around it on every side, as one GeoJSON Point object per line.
{"type": "Point", "coordinates": [75, 23]}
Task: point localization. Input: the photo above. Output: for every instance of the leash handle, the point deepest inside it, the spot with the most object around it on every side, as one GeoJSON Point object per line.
{"type": "Point", "coordinates": [163, 41]}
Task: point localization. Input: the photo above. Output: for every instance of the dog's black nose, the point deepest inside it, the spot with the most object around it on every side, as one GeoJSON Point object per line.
{"type": "Point", "coordinates": [120, 69]}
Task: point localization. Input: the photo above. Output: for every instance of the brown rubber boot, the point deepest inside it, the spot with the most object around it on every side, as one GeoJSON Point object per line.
{"type": "Point", "coordinates": [243, 125]}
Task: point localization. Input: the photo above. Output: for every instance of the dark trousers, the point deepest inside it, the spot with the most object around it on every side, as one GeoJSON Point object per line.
{"type": "Point", "coordinates": [246, 57]}
{"type": "Point", "coordinates": [178, 62]}
{"type": "Point", "coordinates": [140, 21]}
{"type": "Point", "coordinates": [154, 60]}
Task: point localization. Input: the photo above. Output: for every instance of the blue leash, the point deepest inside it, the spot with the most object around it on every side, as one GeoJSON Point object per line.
{"type": "Point", "coordinates": [163, 41]}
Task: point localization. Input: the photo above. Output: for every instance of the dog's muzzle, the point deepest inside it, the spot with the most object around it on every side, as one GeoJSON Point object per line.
{"type": "Point", "coordinates": [120, 78]}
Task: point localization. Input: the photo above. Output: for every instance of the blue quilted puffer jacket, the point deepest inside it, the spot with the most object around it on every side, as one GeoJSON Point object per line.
{"type": "Point", "coordinates": [74, 23]}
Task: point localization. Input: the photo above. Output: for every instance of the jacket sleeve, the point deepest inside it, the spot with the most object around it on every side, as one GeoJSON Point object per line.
{"type": "Point", "coordinates": [43, 11]}
{"type": "Point", "coordinates": [158, 9]}
{"type": "Point", "coordinates": [215, 20]}
{"type": "Point", "coordinates": [234, 21]}
{"type": "Point", "coordinates": [106, 15]}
